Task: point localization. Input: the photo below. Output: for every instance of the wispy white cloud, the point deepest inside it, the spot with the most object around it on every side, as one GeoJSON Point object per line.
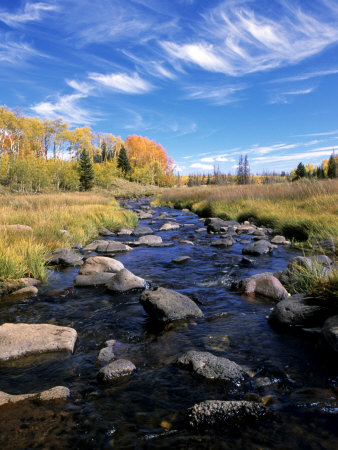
{"type": "Point", "coordinates": [310, 155]}
{"type": "Point", "coordinates": [201, 166]}
{"type": "Point", "coordinates": [322, 133]}
{"type": "Point", "coordinates": [285, 97]}
{"type": "Point", "coordinates": [31, 12]}
{"type": "Point", "coordinates": [121, 82]}
{"type": "Point", "coordinates": [216, 95]}
{"type": "Point", "coordinates": [67, 107]}
{"type": "Point", "coordinates": [83, 87]}
{"type": "Point", "coordinates": [306, 76]}
{"type": "Point", "coordinates": [235, 40]}
{"type": "Point", "coordinates": [15, 52]}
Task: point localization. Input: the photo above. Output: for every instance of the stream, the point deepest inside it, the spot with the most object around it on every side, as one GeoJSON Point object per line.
{"type": "Point", "coordinates": [297, 379]}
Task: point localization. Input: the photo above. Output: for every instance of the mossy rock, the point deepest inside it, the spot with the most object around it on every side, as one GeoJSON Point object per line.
{"type": "Point", "coordinates": [9, 286]}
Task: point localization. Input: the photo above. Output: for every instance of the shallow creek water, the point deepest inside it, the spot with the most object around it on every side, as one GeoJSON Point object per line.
{"type": "Point", "coordinates": [146, 410]}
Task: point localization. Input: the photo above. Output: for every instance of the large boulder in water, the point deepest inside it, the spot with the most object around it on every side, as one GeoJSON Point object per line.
{"type": "Point", "coordinates": [330, 332]}
{"type": "Point", "coordinates": [209, 366]}
{"type": "Point", "coordinates": [21, 339]}
{"type": "Point", "coordinates": [125, 281]}
{"type": "Point", "coordinates": [116, 370]}
{"type": "Point", "coordinates": [227, 241]}
{"type": "Point", "coordinates": [165, 305]}
{"type": "Point", "coordinates": [150, 240]}
{"type": "Point", "coordinates": [97, 264]}
{"type": "Point", "coordinates": [220, 414]}
{"type": "Point", "coordinates": [298, 311]}
{"type": "Point", "coordinates": [169, 226]}
{"type": "Point", "coordinates": [142, 231]}
{"type": "Point", "coordinates": [216, 225]}
{"type": "Point", "coordinates": [63, 257]}
{"type": "Point", "coordinates": [261, 247]}
{"type": "Point", "coordinates": [264, 284]}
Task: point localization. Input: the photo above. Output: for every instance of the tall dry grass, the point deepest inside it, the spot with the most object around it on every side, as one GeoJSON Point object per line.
{"type": "Point", "coordinates": [302, 211]}
{"type": "Point", "coordinates": [81, 214]}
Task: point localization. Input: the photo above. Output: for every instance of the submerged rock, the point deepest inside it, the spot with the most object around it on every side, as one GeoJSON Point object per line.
{"type": "Point", "coordinates": [165, 305]}
{"type": "Point", "coordinates": [21, 339]}
{"type": "Point", "coordinates": [63, 257]}
{"type": "Point", "coordinates": [217, 413]}
{"type": "Point", "coordinates": [53, 394]}
{"type": "Point", "coordinates": [125, 281]}
{"type": "Point", "coordinates": [180, 259]}
{"type": "Point", "coordinates": [209, 366]}
{"type": "Point", "coordinates": [264, 284]}
{"type": "Point", "coordinates": [97, 264]}
{"type": "Point", "coordinates": [330, 332]}
{"type": "Point", "coordinates": [116, 370]}
{"type": "Point", "coordinates": [298, 311]}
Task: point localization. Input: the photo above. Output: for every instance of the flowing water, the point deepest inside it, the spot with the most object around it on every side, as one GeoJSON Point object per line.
{"type": "Point", "coordinates": [296, 377]}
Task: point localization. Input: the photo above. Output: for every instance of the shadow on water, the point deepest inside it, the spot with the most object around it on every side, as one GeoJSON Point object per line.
{"type": "Point", "coordinates": [296, 379]}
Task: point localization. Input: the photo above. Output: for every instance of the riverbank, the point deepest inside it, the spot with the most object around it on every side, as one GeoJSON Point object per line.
{"type": "Point", "coordinates": [51, 221]}
{"type": "Point", "coordinates": [302, 211]}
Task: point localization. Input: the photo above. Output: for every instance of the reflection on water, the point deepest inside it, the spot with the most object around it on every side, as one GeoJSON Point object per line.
{"type": "Point", "coordinates": [286, 370]}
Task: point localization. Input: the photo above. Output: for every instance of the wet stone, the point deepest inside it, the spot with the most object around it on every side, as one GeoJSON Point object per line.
{"type": "Point", "coordinates": [116, 370]}
{"type": "Point", "coordinates": [180, 259]}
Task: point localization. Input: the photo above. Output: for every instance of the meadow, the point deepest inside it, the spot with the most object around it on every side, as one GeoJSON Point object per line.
{"type": "Point", "coordinates": [302, 211]}
{"type": "Point", "coordinates": [81, 214]}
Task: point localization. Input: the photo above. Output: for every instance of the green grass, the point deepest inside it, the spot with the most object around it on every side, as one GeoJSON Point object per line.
{"type": "Point", "coordinates": [82, 214]}
{"type": "Point", "coordinates": [302, 211]}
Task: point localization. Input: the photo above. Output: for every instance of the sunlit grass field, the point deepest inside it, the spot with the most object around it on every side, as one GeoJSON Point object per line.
{"type": "Point", "coordinates": [302, 211]}
{"type": "Point", "coordinates": [81, 214]}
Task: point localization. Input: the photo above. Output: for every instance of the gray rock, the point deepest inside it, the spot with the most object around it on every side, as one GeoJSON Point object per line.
{"type": "Point", "coordinates": [77, 246]}
{"type": "Point", "coordinates": [65, 234]}
{"type": "Point", "coordinates": [200, 230]}
{"type": "Point", "coordinates": [162, 216]}
{"type": "Point", "coordinates": [326, 245]}
{"type": "Point", "coordinates": [106, 354]}
{"type": "Point", "coordinates": [245, 241]}
{"type": "Point", "coordinates": [278, 240]}
{"type": "Point", "coordinates": [105, 232]}
{"type": "Point", "coordinates": [169, 226]}
{"type": "Point", "coordinates": [330, 332]}
{"type": "Point", "coordinates": [94, 279]}
{"type": "Point", "coordinates": [246, 260]}
{"type": "Point", "coordinates": [185, 242]}
{"type": "Point", "coordinates": [21, 339]}
{"type": "Point", "coordinates": [142, 231]}
{"type": "Point", "coordinates": [149, 240]}
{"type": "Point", "coordinates": [21, 294]}
{"type": "Point", "coordinates": [259, 238]}
{"type": "Point", "coordinates": [217, 413]}
{"type": "Point", "coordinates": [63, 257]}
{"type": "Point", "coordinates": [298, 311]}
{"type": "Point", "coordinates": [115, 370]}
{"type": "Point", "coordinates": [180, 259]}
{"type": "Point", "coordinates": [165, 305]}
{"type": "Point", "coordinates": [216, 225]}
{"type": "Point", "coordinates": [210, 366]}
{"type": "Point", "coordinates": [53, 394]}
{"type": "Point", "coordinates": [97, 264]}
{"type": "Point", "coordinates": [259, 233]}
{"type": "Point", "coordinates": [102, 246]}
{"type": "Point", "coordinates": [30, 282]}
{"type": "Point", "coordinates": [224, 242]}
{"type": "Point", "coordinates": [264, 284]}
{"type": "Point", "coordinates": [125, 232]}
{"type": "Point", "coordinates": [143, 215]}
{"type": "Point", "coordinates": [258, 248]}
{"type": "Point", "coordinates": [125, 281]}
{"type": "Point", "coordinates": [245, 229]}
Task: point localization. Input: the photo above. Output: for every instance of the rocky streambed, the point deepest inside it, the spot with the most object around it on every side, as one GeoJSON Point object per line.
{"type": "Point", "coordinates": [158, 337]}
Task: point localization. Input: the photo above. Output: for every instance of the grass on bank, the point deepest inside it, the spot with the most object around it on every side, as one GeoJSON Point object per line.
{"type": "Point", "coordinates": [81, 214]}
{"type": "Point", "coordinates": [301, 211]}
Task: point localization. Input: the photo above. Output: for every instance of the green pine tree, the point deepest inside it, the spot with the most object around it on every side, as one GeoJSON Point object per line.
{"type": "Point", "coordinates": [123, 161]}
{"type": "Point", "coordinates": [300, 171]}
{"type": "Point", "coordinates": [86, 172]}
{"type": "Point", "coordinates": [332, 167]}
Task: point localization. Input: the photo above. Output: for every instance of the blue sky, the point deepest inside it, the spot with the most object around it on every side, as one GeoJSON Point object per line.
{"type": "Point", "coordinates": [209, 80]}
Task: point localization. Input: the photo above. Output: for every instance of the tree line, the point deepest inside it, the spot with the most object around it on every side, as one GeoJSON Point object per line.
{"type": "Point", "coordinates": [38, 154]}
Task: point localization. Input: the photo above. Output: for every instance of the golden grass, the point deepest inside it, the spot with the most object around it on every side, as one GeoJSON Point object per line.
{"type": "Point", "coordinates": [82, 214]}
{"type": "Point", "coordinates": [302, 210]}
